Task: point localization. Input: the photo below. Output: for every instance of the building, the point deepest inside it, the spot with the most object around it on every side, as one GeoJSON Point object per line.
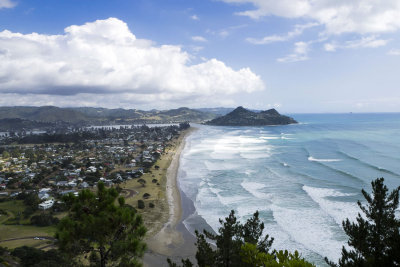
{"type": "Point", "coordinates": [46, 205]}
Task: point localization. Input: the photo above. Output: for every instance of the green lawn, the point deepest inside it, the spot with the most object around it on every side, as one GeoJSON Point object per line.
{"type": "Point", "coordinates": [13, 206]}
{"type": "Point", "coordinates": [12, 228]}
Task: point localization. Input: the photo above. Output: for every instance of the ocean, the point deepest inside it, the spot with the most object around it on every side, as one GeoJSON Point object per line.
{"type": "Point", "coordinates": [304, 179]}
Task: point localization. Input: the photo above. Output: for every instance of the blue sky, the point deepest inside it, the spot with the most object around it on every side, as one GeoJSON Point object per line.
{"type": "Point", "coordinates": [295, 55]}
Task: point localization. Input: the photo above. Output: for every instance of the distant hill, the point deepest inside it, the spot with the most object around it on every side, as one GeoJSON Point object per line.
{"type": "Point", "coordinates": [243, 117]}
{"type": "Point", "coordinates": [17, 124]}
{"type": "Point", "coordinates": [220, 111]}
{"type": "Point", "coordinates": [97, 116]}
{"type": "Point", "coordinates": [42, 114]}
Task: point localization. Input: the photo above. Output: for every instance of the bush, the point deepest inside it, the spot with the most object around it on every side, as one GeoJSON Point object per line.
{"type": "Point", "coordinates": [35, 257]}
{"type": "Point", "coordinates": [44, 219]}
{"type": "Point", "coordinates": [141, 204]}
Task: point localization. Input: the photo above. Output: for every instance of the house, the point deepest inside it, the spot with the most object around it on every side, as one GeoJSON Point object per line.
{"type": "Point", "coordinates": [66, 192]}
{"type": "Point", "coordinates": [15, 194]}
{"type": "Point", "coordinates": [62, 183]}
{"type": "Point", "coordinates": [46, 205]}
{"type": "Point", "coordinates": [72, 184]}
{"type": "Point", "coordinates": [84, 185]}
{"type": "Point", "coordinates": [43, 195]}
{"type": "Point", "coordinates": [92, 169]}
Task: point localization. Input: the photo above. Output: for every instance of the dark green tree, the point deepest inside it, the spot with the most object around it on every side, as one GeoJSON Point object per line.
{"type": "Point", "coordinates": [374, 237]}
{"type": "Point", "coordinates": [232, 235]}
{"type": "Point", "coordinates": [30, 256]}
{"type": "Point", "coordinates": [252, 233]}
{"type": "Point", "coordinates": [256, 258]}
{"type": "Point", "coordinates": [98, 228]}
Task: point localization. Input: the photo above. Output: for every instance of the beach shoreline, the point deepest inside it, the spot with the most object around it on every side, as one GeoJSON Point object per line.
{"type": "Point", "coordinates": [173, 240]}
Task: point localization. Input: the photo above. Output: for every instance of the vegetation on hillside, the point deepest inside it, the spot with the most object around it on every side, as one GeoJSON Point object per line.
{"type": "Point", "coordinates": [98, 228]}
{"type": "Point", "coordinates": [243, 117]}
{"type": "Point", "coordinates": [375, 237]}
{"type": "Point", "coordinates": [101, 233]}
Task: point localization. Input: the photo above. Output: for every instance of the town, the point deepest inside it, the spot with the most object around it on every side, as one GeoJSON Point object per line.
{"type": "Point", "coordinates": [38, 169]}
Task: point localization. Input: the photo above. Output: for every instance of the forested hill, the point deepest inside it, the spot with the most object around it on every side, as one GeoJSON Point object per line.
{"type": "Point", "coordinates": [243, 117]}
{"type": "Point", "coordinates": [101, 116]}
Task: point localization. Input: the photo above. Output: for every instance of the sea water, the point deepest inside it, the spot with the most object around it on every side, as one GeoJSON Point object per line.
{"type": "Point", "coordinates": [304, 179]}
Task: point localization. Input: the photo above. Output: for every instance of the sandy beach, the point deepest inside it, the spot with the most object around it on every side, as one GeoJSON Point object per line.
{"type": "Point", "coordinates": [173, 240]}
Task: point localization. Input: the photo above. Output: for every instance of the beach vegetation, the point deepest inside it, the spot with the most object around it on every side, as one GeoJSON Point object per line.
{"type": "Point", "coordinates": [374, 237]}
{"type": "Point", "coordinates": [100, 230]}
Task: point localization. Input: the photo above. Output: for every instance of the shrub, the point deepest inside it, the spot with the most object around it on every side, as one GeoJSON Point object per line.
{"type": "Point", "coordinates": [44, 219]}
{"type": "Point", "coordinates": [141, 204]}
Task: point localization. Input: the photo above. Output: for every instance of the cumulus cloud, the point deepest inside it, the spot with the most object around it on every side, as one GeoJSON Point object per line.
{"type": "Point", "coordinates": [104, 64]}
{"type": "Point", "coordinates": [341, 16]}
{"type": "Point", "coordinates": [298, 30]}
{"type": "Point", "coordinates": [7, 4]}
{"type": "Point", "coordinates": [364, 42]}
{"type": "Point", "coordinates": [300, 53]}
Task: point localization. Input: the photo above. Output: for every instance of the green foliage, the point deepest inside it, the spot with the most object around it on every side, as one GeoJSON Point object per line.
{"type": "Point", "coordinates": [5, 154]}
{"type": "Point", "coordinates": [254, 257]}
{"type": "Point", "coordinates": [32, 200]}
{"type": "Point", "coordinates": [111, 233]}
{"type": "Point", "coordinates": [374, 237]}
{"type": "Point", "coordinates": [232, 235]}
{"type": "Point", "coordinates": [30, 256]}
{"type": "Point", "coordinates": [44, 219]}
{"type": "Point", "coordinates": [140, 204]}
{"type": "Point", "coordinates": [185, 263]}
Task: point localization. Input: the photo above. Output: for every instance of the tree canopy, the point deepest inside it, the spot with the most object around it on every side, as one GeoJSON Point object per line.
{"type": "Point", "coordinates": [109, 234]}
{"type": "Point", "coordinates": [374, 238]}
{"type": "Point", "coordinates": [240, 245]}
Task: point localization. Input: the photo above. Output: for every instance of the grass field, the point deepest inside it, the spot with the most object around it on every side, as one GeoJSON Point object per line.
{"type": "Point", "coordinates": [14, 209]}
{"type": "Point", "coordinates": [22, 231]}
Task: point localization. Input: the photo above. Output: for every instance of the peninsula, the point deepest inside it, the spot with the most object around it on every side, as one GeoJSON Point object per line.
{"type": "Point", "coordinates": [243, 117]}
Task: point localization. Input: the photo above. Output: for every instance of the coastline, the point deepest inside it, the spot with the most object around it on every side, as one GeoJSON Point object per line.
{"type": "Point", "coordinates": [173, 240]}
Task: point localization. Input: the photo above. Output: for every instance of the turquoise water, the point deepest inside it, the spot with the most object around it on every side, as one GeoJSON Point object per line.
{"type": "Point", "coordinates": [304, 179]}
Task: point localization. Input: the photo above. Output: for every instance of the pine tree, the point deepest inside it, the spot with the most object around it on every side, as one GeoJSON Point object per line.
{"type": "Point", "coordinates": [98, 228]}
{"type": "Point", "coordinates": [374, 237]}
{"type": "Point", "coordinates": [231, 236]}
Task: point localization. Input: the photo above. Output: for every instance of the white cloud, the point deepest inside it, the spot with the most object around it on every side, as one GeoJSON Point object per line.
{"type": "Point", "coordinates": [196, 48]}
{"type": "Point", "coordinates": [394, 52]}
{"type": "Point", "coordinates": [298, 30]}
{"type": "Point", "coordinates": [340, 16]}
{"type": "Point", "coordinates": [7, 4]}
{"type": "Point", "coordinates": [104, 64]}
{"type": "Point", "coordinates": [194, 17]}
{"type": "Point", "coordinates": [199, 39]}
{"type": "Point", "coordinates": [364, 42]}
{"type": "Point", "coordinates": [300, 53]}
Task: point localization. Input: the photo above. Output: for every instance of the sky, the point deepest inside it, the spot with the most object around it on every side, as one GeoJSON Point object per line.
{"type": "Point", "coordinates": [299, 56]}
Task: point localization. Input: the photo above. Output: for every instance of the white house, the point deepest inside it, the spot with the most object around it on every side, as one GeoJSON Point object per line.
{"type": "Point", "coordinates": [46, 205]}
